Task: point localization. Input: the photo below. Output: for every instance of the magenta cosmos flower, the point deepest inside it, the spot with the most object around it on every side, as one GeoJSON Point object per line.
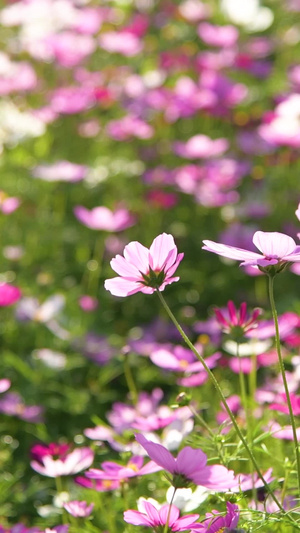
{"type": "Point", "coordinates": [71, 463]}
{"type": "Point", "coordinates": [9, 294]}
{"type": "Point", "coordinates": [189, 467]}
{"type": "Point", "coordinates": [276, 249]}
{"type": "Point", "coordinates": [217, 523]}
{"type": "Point", "coordinates": [155, 518]}
{"type": "Point", "coordinates": [143, 270]}
{"type": "Point", "coordinates": [79, 509]}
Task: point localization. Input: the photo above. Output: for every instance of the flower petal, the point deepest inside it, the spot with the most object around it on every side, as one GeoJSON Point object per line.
{"type": "Point", "coordinates": [122, 287]}
{"type": "Point", "coordinates": [137, 254]}
{"type": "Point", "coordinates": [274, 243]}
{"type": "Point", "coordinates": [162, 250]}
{"type": "Point", "coordinates": [190, 461]}
{"type": "Point", "coordinates": [230, 251]}
{"type": "Point", "coordinates": [157, 453]}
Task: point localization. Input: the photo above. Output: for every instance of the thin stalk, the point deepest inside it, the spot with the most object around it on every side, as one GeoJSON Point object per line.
{"type": "Point", "coordinates": [242, 387]}
{"type": "Point", "coordinates": [223, 399]}
{"type": "Point", "coordinates": [130, 381]}
{"type": "Point", "coordinates": [166, 528]}
{"type": "Point", "coordinates": [201, 420]}
{"type": "Point", "coordinates": [282, 369]}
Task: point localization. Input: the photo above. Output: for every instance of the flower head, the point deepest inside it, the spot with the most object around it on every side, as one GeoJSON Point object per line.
{"type": "Point", "coordinates": [278, 250]}
{"type": "Point", "coordinates": [155, 518]}
{"type": "Point", "coordinates": [237, 322]}
{"type": "Point", "coordinates": [79, 509]}
{"type": "Point", "coordinates": [216, 522]}
{"type": "Point", "coordinates": [189, 467]}
{"type": "Point", "coordinates": [71, 463]}
{"type": "Point", "coordinates": [143, 270]}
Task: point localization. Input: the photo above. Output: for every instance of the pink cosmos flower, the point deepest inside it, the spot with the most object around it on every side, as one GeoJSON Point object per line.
{"type": "Point", "coordinates": [282, 406]}
{"type": "Point", "coordinates": [88, 303]}
{"type": "Point", "coordinates": [276, 248]}
{"type": "Point", "coordinates": [218, 35]}
{"type": "Point", "coordinates": [129, 126]}
{"type": "Point", "coordinates": [8, 204]}
{"type": "Point", "coordinates": [237, 322]}
{"type": "Point", "coordinates": [190, 466]}
{"type": "Point", "coordinates": [122, 42]}
{"type": "Point", "coordinates": [154, 518]}
{"type": "Point", "coordinates": [79, 509]}
{"type": "Point", "coordinates": [200, 146]}
{"type": "Point", "coordinates": [102, 218]}
{"type": "Point", "coordinates": [72, 99]}
{"type": "Point", "coordinates": [72, 463]}
{"type": "Point", "coordinates": [100, 485]}
{"type": "Point", "coordinates": [38, 451]}
{"type": "Point", "coordinates": [114, 471]}
{"type": "Point", "coordinates": [216, 522]}
{"type": "Point", "coordinates": [9, 294]}
{"type": "Point", "coordinates": [12, 404]}
{"type": "Point", "coordinates": [143, 270]}
{"type": "Point", "coordinates": [60, 171]}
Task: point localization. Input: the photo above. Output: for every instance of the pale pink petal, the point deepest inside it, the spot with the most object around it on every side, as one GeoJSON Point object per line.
{"type": "Point", "coordinates": [230, 251]}
{"type": "Point", "coordinates": [137, 254]}
{"type": "Point", "coordinates": [137, 519]}
{"type": "Point", "coordinates": [170, 271]}
{"type": "Point", "coordinates": [121, 287]}
{"type": "Point", "coordinates": [162, 246]}
{"type": "Point", "coordinates": [125, 269]}
{"type": "Point", "coordinates": [215, 477]}
{"type": "Point", "coordinates": [273, 243]}
{"type": "Point", "coordinates": [165, 359]}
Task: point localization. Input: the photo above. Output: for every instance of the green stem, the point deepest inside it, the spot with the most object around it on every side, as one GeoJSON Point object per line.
{"type": "Point", "coordinates": [223, 399]}
{"type": "Point", "coordinates": [201, 420]}
{"type": "Point", "coordinates": [166, 528]}
{"type": "Point", "coordinates": [242, 385]}
{"type": "Point", "coordinates": [130, 381]}
{"type": "Point", "coordinates": [282, 369]}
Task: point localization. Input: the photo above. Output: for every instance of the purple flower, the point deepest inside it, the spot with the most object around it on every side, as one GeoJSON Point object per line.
{"type": "Point", "coordinates": [237, 323]}
{"type": "Point", "coordinates": [79, 509]}
{"type": "Point", "coordinates": [190, 466]}
{"type": "Point", "coordinates": [114, 471]}
{"type": "Point", "coordinates": [276, 248]}
{"type": "Point", "coordinates": [216, 522]}
{"type": "Point", "coordinates": [102, 218]}
{"type": "Point", "coordinates": [143, 270]}
{"type": "Point", "coordinates": [72, 463]}
{"type": "Point", "coordinates": [155, 518]}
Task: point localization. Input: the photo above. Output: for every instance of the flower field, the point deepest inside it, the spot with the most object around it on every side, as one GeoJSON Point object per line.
{"type": "Point", "coordinates": [150, 263]}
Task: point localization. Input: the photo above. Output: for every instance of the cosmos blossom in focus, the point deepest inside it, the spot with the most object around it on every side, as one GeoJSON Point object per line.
{"type": "Point", "coordinates": [276, 249]}
{"type": "Point", "coordinates": [143, 270]}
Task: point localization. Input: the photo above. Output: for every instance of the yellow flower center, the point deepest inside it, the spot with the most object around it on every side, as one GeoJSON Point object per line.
{"type": "Point", "coordinates": [183, 363]}
{"type": "Point", "coordinates": [133, 467]}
